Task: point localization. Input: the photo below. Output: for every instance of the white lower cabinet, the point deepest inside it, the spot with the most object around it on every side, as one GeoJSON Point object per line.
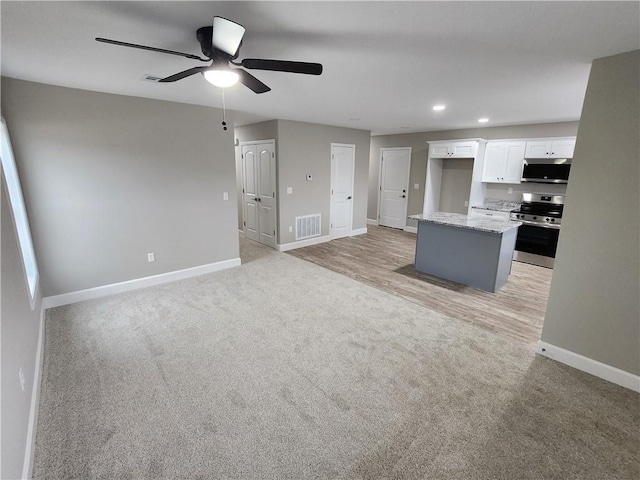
{"type": "Point", "coordinates": [503, 162]}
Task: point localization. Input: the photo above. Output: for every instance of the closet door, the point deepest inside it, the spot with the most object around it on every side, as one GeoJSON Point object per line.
{"type": "Point", "coordinates": [259, 192]}
{"type": "Point", "coordinates": [250, 192]}
{"type": "Point", "coordinates": [266, 190]}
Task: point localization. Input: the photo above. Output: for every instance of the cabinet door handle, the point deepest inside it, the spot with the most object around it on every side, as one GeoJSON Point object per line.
{"type": "Point", "coordinates": [403, 196]}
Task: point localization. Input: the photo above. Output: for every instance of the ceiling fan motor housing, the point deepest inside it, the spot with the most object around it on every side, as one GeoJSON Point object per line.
{"type": "Point", "coordinates": [204, 36]}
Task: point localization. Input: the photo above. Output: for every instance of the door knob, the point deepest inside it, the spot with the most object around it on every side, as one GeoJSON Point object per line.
{"type": "Point", "coordinates": [349, 198]}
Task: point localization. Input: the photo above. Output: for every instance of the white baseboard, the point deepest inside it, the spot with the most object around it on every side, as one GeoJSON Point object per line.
{"type": "Point", "coordinates": [302, 243]}
{"type": "Point", "coordinates": [372, 222]}
{"type": "Point", "coordinates": [241, 232]}
{"type": "Point", "coordinates": [586, 364]}
{"type": "Point", "coordinates": [103, 291]}
{"type": "Point", "coordinates": [358, 231]}
{"type": "Point", "coordinates": [30, 446]}
{"type": "Point", "coordinates": [410, 229]}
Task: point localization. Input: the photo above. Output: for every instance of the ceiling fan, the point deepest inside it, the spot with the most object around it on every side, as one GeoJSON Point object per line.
{"type": "Point", "coordinates": [220, 44]}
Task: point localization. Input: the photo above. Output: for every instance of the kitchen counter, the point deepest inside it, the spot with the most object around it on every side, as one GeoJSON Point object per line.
{"type": "Point", "coordinates": [498, 205]}
{"type": "Point", "coordinates": [483, 224]}
{"type": "Point", "coordinates": [475, 251]}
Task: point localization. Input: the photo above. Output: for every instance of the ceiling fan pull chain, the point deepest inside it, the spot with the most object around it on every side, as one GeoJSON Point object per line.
{"type": "Point", "coordinates": [224, 110]}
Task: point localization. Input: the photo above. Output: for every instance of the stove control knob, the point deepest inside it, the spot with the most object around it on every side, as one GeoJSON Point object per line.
{"type": "Point", "coordinates": [553, 219]}
{"type": "Point", "coordinates": [535, 218]}
{"type": "Point", "coordinates": [547, 219]}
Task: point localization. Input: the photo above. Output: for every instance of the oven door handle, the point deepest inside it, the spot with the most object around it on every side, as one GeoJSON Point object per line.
{"type": "Point", "coordinates": [536, 224]}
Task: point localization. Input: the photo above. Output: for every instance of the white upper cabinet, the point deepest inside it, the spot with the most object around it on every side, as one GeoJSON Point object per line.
{"type": "Point", "coordinates": [466, 149]}
{"type": "Point", "coordinates": [503, 162]}
{"type": "Point", "coordinates": [550, 148]}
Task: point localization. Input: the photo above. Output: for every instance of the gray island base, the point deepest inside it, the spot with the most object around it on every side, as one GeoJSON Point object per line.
{"type": "Point", "coordinates": [475, 251]}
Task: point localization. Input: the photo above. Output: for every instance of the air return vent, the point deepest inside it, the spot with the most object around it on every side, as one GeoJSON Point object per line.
{"type": "Point", "coordinates": [150, 78]}
{"type": "Point", "coordinates": [307, 226]}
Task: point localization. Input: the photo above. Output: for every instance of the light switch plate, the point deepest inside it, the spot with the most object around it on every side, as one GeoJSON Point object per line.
{"type": "Point", "coordinates": [289, 190]}
{"type": "Point", "coordinates": [225, 195]}
{"type": "Point", "coordinates": [416, 186]}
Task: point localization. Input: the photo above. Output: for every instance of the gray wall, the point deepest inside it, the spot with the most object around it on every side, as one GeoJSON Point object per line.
{"type": "Point", "coordinates": [455, 185]}
{"type": "Point", "coordinates": [305, 148]}
{"type": "Point", "coordinates": [109, 178]}
{"type": "Point", "coordinates": [20, 327]}
{"type": "Point", "coordinates": [593, 307]}
{"type": "Point", "coordinates": [247, 133]}
{"type": "Point", "coordinates": [419, 153]}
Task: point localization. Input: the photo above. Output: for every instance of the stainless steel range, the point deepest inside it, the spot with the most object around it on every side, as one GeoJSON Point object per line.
{"type": "Point", "coordinates": [541, 217]}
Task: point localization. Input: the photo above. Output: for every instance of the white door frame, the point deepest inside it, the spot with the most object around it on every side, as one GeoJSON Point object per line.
{"type": "Point", "coordinates": [382, 150]}
{"type": "Point", "coordinates": [353, 178]}
{"type": "Point", "coordinates": [276, 209]}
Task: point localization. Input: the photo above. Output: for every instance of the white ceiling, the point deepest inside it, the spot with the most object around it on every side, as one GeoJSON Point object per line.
{"type": "Point", "coordinates": [385, 63]}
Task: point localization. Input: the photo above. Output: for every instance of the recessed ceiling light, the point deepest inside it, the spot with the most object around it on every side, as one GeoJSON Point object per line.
{"type": "Point", "coordinates": [438, 108]}
{"type": "Point", "coordinates": [483, 120]}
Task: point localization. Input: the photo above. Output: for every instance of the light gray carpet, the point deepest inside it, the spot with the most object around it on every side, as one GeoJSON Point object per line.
{"type": "Point", "coordinates": [281, 369]}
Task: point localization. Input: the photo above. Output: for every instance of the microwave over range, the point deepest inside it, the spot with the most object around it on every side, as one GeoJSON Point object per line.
{"type": "Point", "coordinates": [546, 170]}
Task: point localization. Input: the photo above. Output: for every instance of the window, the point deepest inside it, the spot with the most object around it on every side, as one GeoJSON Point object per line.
{"type": "Point", "coordinates": [19, 212]}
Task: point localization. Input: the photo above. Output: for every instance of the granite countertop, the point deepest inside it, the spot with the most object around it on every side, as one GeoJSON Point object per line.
{"type": "Point", "coordinates": [498, 205]}
{"type": "Point", "coordinates": [483, 224]}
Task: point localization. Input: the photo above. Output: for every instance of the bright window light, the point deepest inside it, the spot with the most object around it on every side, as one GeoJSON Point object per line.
{"type": "Point", "coordinates": [19, 212]}
{"type": "Point", "coordinates": [221, 78]}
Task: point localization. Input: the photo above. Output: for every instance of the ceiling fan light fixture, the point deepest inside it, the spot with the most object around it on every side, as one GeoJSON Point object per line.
{"type": "Point", "coordinates": [221, 77]}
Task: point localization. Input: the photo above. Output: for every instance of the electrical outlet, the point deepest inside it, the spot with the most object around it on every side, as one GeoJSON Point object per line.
{"type": "Point", "coordinates": [151, 257]}
{"type": "Point", "coordinates": [510, 190]}
{"type": "Point", "coordinates": [290, 228]}
{"type": "Point", "coordinates": [466, 203]}
{"type": "Point", "coordinates": [225, 195]}
{"type": "Point", "coordinates": [22, 380]}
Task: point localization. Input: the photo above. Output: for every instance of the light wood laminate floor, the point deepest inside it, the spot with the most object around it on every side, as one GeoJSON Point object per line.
{"type": "Point", "coordinates": [383, 258]}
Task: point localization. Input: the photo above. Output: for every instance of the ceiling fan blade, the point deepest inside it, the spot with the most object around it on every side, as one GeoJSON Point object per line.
{"type": "Point", "coordinates": [181, 75]}
{"type": "Point", "coordinates": [282, 66]}
{"type": "Point", "coordinates": [152, 49]}
{"type": "Point", "coordinates": [226, 35]}
{"type": "Point", "coordinates": [251, 82]}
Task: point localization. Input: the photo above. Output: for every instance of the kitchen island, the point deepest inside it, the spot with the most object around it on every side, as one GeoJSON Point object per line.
{"type": "Point", "coordinates": [475, 251]}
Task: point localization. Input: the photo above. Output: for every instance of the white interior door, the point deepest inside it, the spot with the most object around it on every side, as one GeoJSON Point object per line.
{"type": "Point", "coordinates": [267, 193]}
{"type": "Point", "coordinates": [394, 186]}
{"type": "Point", "coordinates": [342, 173]}
{"type": "Point", "coordinates": [250, 192]}
{"type": "Point", "coordinates": [259, 197]}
